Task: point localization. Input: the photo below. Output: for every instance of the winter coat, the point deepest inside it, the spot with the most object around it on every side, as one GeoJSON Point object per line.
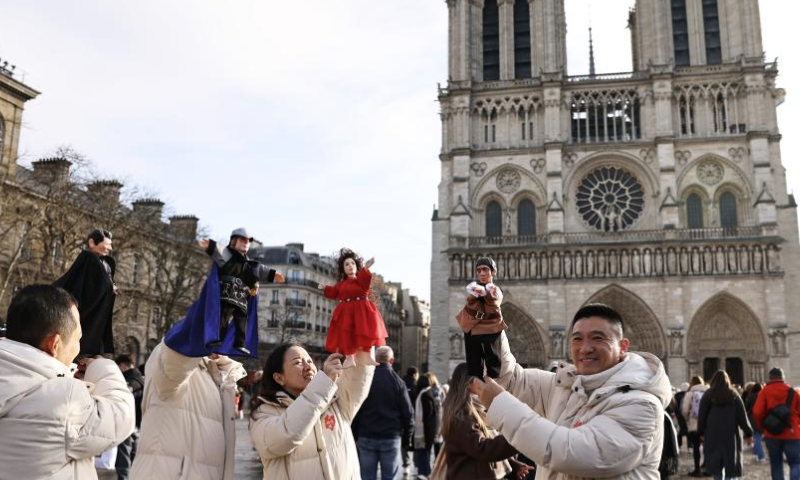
{"type": "Point", "coordinates": [686, 406]}
{"type": "Point", "coordinates": [309, 437]}
{"type": "Point", "coordinates": [610, 424]}
{"type": "Point", "coordinates": [488, 318]}
{"type": "Point", "coordinates": [773, 394]}
{"type": "Point", "coordinates": [719, 425]}
{"type": "Point", "coordinates": [188, 424]}
{"type": "Point", "coordinates": [427, 417]}
{"type": "Point", "coordinates": [472, 455]}
{"type": "Point", "coordinates": [52, 424]}
{"type": "Point", "coordinates": [387, 412]}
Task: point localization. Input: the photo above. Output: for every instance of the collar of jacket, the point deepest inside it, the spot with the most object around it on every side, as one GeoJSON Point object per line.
{"type": "Point", "coordinates": [236, 254]}
{"type": "Point", "coordinates": [593, 386]}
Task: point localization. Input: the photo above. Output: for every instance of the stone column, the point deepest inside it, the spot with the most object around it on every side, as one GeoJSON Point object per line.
{"type": "Point", "coordinates": [506, 10]}
{"type": "Point", "coordinates": [555, 209]}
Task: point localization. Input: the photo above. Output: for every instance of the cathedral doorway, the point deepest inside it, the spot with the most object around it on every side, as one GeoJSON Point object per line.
{"type": "Point", "coordinates": [640, 324]}
{"type": "Point", "coordinates": [524, 337]}
{"type": "Point", "coordinates": [726, 335]}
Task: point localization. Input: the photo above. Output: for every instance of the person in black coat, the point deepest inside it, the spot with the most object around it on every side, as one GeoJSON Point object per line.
{"type": "Point", "coordinates": [90, 280]}
{"type": "Point", "coordinates": [722, 415]}
{"type": "Point", "coordinates": [126, 451]}
{"type": "Point", "coordinates": [428, 415]}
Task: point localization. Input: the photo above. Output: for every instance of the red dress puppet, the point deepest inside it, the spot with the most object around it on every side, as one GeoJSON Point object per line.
{"type": "Point", "coordinates": [356, 324]}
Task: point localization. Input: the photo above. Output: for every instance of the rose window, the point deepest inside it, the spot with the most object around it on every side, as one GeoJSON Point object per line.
{"type": "Point", "coordinates": [610, 199]}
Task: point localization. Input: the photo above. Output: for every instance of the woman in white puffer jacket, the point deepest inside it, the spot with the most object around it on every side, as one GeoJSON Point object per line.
{"type": "Point", "coordinates": [300, 421]}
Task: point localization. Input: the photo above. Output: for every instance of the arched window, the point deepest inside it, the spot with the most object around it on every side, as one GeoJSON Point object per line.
{"type": "Point", "coordinates": [727, 212]}
{"type": "Point", "coordinates": [491, 41]}
{"type": "Point", "coordinates": [526, 218]}
{"type": "Point", "coordinates": [694, 211]}
{"type": "Point", "coordinates": [494, 219]}
{"type": "Point", "coordinates": [522, 39]}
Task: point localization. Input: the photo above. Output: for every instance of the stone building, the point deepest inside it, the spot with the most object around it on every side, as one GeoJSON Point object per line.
{"type": "Point", "coordinates": [47, 211]}
{"type": "Point", "coordinates": [659, 191]}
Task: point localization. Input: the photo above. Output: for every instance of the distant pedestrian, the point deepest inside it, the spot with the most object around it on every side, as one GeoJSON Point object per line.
{"type": "Point", "coordinates": [751, 394]}
{"type": "Point", "coordinates": [427, 415]}
{"type": "Point", "coordinates": [681, 426]}
{"type": "Point", "coordinates": [787, 442]}
{"type": "Point", "coordinates": [385, 418]}
{"type": "Point", "coordinates": [407, 446]}
{"type": "Point", "coordinates": [691, 412]}
{"type": "Point", "coordinates": [722, 417]}
{"type": "Point", "coordinates": [126, 451]}
{"type": "Point", "coordinates": [51, 424]}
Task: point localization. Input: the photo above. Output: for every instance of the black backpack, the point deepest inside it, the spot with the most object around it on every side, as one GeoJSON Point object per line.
{"type": "Point", "coordinates": [777, 419]}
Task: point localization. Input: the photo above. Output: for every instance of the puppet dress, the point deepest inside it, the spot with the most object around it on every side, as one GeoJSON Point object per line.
{"type": "Point", "coordinates": [356, 323]}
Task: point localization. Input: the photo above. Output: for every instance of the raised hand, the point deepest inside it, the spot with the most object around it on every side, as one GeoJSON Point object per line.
{"type": "Point", "coordinates": [370, 262]}
{"type": "Point", "coordinates": [333, 366]}
{"type": "Point", "coordinates": [279, 278]}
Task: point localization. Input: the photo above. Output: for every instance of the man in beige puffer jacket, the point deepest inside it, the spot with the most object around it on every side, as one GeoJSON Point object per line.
{"type": "Point", "coordinates": [600, 418]}
{"type": "Point", "coordinates": [52, 425]}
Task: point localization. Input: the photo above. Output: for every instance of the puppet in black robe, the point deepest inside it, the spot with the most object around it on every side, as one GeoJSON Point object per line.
{"type": "Point", "coordinates": [90, 280]}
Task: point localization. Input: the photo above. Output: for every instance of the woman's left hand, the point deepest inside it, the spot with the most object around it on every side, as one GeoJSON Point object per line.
{"type": "Point", "coordinates": [333, 366]}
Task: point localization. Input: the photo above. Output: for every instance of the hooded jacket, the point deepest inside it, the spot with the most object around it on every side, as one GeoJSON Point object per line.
{"type": "Point", "coordinates": [686, 406]}
{"type": "Point", "coordinates": [606, 425]}
{"type": "Point", "coordinates": [188, 417]}
{"type": "Point", "coordinates": [53, 424]}
{"type": "Point", "coordinates": [309, 437]}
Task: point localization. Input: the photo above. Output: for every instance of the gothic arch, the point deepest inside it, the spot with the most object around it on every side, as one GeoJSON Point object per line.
{"type": "Point", "coordinates": [688, 175]}
{"type": "Point", "coordinates": [640, 324]}
{"type": "Point", "coordinates": [726, 327]}
{"type": "Point", "coordinates": [524, 337]}
{"type": "Point", "coordinates": [528, 182]}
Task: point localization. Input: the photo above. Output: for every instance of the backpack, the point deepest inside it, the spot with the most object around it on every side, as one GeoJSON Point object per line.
{"type": "Point", "coordinates": [694, 411]}
{"type": "Point", "coordinates": [777, 418]}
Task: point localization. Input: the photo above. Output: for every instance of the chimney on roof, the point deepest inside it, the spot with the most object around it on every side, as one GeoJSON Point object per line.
{"type": "Point", "coordinates": [184, 226]}
{"type": "Point", "coordinates": [148, 208]}
{"type": "Point", "coordinates": [51, 170]}
{"type": "Point", "coordinates": [105, 191]}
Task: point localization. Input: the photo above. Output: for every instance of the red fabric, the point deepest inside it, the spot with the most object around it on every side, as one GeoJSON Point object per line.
{"type": "Point", "coordinates": [773, 394]}
{"type": "Point", "coordinates": [356, 324]}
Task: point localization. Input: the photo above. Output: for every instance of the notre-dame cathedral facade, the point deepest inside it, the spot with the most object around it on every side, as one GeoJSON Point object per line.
{"type": "Point", "coordinates": [660, 191]}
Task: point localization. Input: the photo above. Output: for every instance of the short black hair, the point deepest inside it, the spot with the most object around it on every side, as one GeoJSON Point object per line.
{"type": "Point", "coordinates": [98, 235]}
{"type": "Point", "coordinates": [124, 359]}
{"type": "Point", "coordinates": [599, 310]}
{"type": "Point", "coordinates": [38, 311]}
{"type": "Point", "coordinates": [776, 373]}
{"type": "Point", "coordinates": [412, 371]}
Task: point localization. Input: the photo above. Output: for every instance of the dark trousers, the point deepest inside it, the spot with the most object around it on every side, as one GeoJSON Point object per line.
{"type": "Point", "coordinates": [481, 350]}
{"type": "Point", "coordinates": [126, 452]}
{"type": "Point", "coordinates": [694, 441]}
{"type": "Point", "coordinates": [239, 322]}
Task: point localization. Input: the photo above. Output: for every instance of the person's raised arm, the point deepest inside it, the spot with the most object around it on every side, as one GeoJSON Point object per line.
{"type": "Point", "coordinates": [172, 372]}
{"type": "Point", "coordinates": [354, 385]}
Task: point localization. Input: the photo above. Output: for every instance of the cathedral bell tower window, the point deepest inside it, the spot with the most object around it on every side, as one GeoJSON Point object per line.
{"type": "Point", "coordinates": [491, 41]}
{"type": "Point", "coordinates": [712, 37]}
{"type": "Point", "coordinates": [526, 218]}
{"type": "Point", "coordinates": [680, 33]}
{"type": "Point", "coordinates": [727, 213]}
{"type": "Point", "coordinates": [610, 199]}
{"type": "Point", "coordinates": [694, 211]}
{"type": "Point", "coordinates": [522, 39]}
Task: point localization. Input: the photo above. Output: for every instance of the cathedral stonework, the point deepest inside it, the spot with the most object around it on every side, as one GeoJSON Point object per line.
{"type": "Point", "coordinates": [659, 191]}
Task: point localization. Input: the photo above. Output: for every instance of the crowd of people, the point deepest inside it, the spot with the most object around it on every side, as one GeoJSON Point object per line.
{"type": "Point", "coordinates": [611, 413]}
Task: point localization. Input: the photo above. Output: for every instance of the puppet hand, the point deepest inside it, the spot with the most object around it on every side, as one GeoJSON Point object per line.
{"type": "Point", "coordinates": [279, 278]}
{"type": "Point", "coordinates": [479, 291]}
{"type": "Point", "coordinates": [333, 366]}
{"type": "Point", "coordinates": [370, 262]}
{"type": "Point", "coordinates": [203, 243]}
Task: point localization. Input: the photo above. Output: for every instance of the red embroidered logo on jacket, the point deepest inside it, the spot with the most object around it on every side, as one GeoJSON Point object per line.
{"type": "Point", "coordinates": [330, 422]}
{"type": "Point", "coordinates": [577, 424]}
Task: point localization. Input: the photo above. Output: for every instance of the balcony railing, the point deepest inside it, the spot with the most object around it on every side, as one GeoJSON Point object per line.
{"type": "Point", "coordinates": [627, 237]}
{"type": "Point", "coordinates": [296, 302]}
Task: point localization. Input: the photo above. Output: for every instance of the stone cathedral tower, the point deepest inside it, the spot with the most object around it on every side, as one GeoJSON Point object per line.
{"type": "Point", "coordinates": [659, 191]}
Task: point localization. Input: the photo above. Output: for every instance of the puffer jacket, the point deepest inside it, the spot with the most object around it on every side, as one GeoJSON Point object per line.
{"type": "Point", "coordinates": [310, 437]}
{"type": "Point", "coordinates": [51, 424]}
{"type": "Point", "coordinates": [775, 393]}
{"type": "Point", "coordinates": [686, 406]}
{"type": "Point", "coordinates": [188, 417]}
{"type": "Point", "coordinates": [606, 425]}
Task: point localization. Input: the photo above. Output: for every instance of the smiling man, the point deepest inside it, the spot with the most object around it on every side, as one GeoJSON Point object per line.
{"type": "Point", "coordinates": [602, 417]}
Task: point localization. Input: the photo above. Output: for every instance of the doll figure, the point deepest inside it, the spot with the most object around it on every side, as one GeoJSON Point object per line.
{"type": "Point", "coordinates": [356, 324]}
{"type": "Point", "coordinates": [482, 321]}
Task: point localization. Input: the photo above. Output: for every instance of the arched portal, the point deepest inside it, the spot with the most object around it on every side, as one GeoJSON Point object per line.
{"type": "Point", "coordinates": [726, 334]}
{"type": "Point", "coordinates": [524, 337]}
{"type": "Point", "coordinates": [640, 324]}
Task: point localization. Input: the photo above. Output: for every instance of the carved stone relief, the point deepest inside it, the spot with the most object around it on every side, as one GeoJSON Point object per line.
{"type": "Point", "coordinates": [777, 340]}
{"type": "Point", "coordinates": [682, 157]}
{"type": "Point", "coordinates": [538, 165]}
{"type": "Point", "coordinates": [508, 180]}
{"type": "Point", "coordinates": [570, 159]}
{"type": "Point", "coordinates": [710, 172]}
{"type": "Point", "coordinates": [556, 343]}
{"type": "Point", "coordinates": [737, 153]}
{"type": "Point", "coordinates": [676, 342]}
{"type": "Point", "coordinates": [478, 168]}
{"type": "Point", "coordinates": [648, 155]}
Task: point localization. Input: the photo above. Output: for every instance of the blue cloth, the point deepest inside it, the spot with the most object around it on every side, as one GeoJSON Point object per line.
{"type": "Point", "coordinates": [777, 449]}
{"type": "Point", "coordinates": [386, 451]}
{"type": "Point", "coordinates": [200, 326]}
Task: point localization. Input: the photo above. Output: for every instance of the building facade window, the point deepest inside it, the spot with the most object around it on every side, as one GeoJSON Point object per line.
{"type": "Point", "coordinates": [728, 212]}
{"type": "Point", "coordinates": [522, 39]}
{"type": "Point", "coordinates": [491, 41]}
{"type": "Point", "coordinates": [526, 218]}
{"type": "Point", "coordinates": [694, 211]}
{"type": "Point", "coordinates": [610, 199]}
{"type": "Point", "coordinates": [494, 219]}
{"type": "Point", "coordinates": [711, 28]}
{"type": "Point", "coordinates": [680, 33]}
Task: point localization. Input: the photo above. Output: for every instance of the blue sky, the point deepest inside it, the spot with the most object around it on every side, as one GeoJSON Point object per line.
{"type": "Point", "coordinates": [321, 113]}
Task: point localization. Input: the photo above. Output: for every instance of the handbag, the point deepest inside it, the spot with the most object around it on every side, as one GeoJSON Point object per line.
{"type": "Point", "coordinates": [439, 471]}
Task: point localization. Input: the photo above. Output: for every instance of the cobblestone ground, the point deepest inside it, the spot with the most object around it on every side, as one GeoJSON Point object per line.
{"type": "Point", "coordinates": [248, 465]}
